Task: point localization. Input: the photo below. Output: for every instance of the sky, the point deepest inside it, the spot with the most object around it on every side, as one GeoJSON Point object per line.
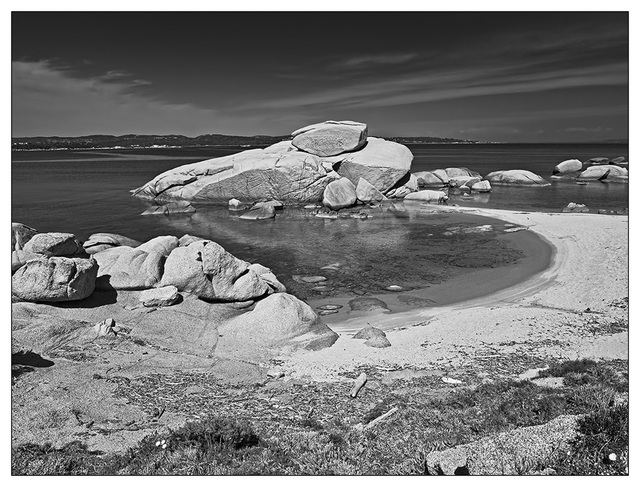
{"type": "Point", "coordinates": [489, 76]}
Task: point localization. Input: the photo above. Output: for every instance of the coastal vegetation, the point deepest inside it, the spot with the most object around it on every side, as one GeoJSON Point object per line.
{"type": "Point", "coordinates": [318, 429]}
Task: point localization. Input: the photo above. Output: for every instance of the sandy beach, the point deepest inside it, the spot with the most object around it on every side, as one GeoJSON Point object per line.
{"type": "Point", "coordinates": [548, 316]}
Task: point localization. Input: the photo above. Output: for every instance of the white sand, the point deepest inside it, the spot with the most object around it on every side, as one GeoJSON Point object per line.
{"type": "Point", "coordinates": [542, 317]}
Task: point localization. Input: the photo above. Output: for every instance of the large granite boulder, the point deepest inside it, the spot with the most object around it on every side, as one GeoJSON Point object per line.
{"type": "Point", "coordinates": [278, 321]}
{"type": "Point", "coordinates": [330, 138]}
{"type": "Point", "coordinates": [428, 195]}
{"type": "Point", "coordinates": [516, 177]}
{"type": "Point", "coordinates": [20, 235]}
{"type": "Point", "coordinates": [53, 244]}
{"type": "Point", "coordinates": [381, 162]}
{"type": "Point", "coordinates": [567, 167]}
{"type": "Point", "coordinates": [595, 173]}
{"type": "Point", "coordinates": [208, 271]}
{"type": "Point", "coordinates": [461, 172]}
{"type": "Point", "coordinates": [339, 194]}
{"type": "Point", "coordinates": [128, 268]}
{"type": "Point", "coordinates": [407, 184]}
{"type": "Point", "coordinates": [98, 242]}
{"type": "Point", "coordinates": [367, 193]}
{"type": "Point", "coordinates": [481, 186]}
{"type": "Point", "coordinates": [54, 279]}
{"type": "Point", "coordinates": [251, 175]}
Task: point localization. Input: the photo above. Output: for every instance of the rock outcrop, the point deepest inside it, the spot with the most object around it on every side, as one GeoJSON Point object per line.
{"type": "Point", "coordinates": [292, 172]}
{"type": "Point", "coordinates": [330, 138]}
{"type": "Point", "coordinates": [54, 279]}
{"type": "Point", "coordinates": [516, 177]}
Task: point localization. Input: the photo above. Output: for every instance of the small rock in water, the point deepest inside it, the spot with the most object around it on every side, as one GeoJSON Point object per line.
{"type": "Point", "coordinates": [237, 205]}
{"type": "Point", "coordinates": [515, 229]}
{"type": "Point", "coordinates": [327, 312]}
{"type": "Point", "coordinates": [311, 207]}
{"type": "Point", "coordinates": [367, 304]}
{"type": "Point", "coordinates": [313, 279]}
{"type": "Point", "coordinates": [393, 287]}
{"type": "Point", "coordinates": [259, 212]}
{"type": "Point", "coordinates": [321, 288]}
{"type": "Point", "coordinates": [329, 306]}
{"type": "Point", "coordinates": [331, 215]}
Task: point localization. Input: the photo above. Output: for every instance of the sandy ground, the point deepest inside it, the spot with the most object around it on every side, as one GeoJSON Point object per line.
{"type": "Point", "coordinates": [570, 310]}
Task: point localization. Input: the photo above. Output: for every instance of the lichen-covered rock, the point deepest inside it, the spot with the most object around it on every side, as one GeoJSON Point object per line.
{"type": "Point", "coordinates": [20, 235]}
{"type": "Point", "coordinates": [98, 242]}
{"type": "Point", "coordinates": [53, 244]}
{"type": "Point", "coordinates": [128, 268]}
{"type": "Point", "coordinates": [54, 279]}
{"type": "Point", "coordinates": [567, 167]}
{"type": "Point", "coordinates": [330, 138]}
{"type": "Point", "coordinates": [208, 271]}
{"type": "Point", "coordinates": [516, 177]}
{"type": "Point", "coordinates": [381, 162]}
{"type": "Point", "coordinates": [339, 194]}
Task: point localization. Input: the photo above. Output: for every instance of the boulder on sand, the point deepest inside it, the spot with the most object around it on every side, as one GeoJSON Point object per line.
{"type": "Point", "coordinates": [208, 271]}
{"type": "Point", "coordinates": [516, 177]}
{"type": "Point", "coordinates": [428, 195]}
{"type": "Point", "coordinates": [54, 244]}
{"type": "Point", "coordinates": [330, 138]}
{"type": "Point", "coordinates": [381, 162]}
{"type": "Point", "coordinates": [160, 296]}
{"type": "Point", "coordinates": [20, 235]}
{"type": "Point", "coordinates": [127, 268]}
{"type": "Point", "coordinates": [280, 319]}
{"type": "Point", "coordinates": [568, 166]}
{"type": "Point", "coordinates": [98, 242]}
{"type": "Point", "coordinates": [54, 279]}
{"type": "Point", "coordinates": [339, 194]}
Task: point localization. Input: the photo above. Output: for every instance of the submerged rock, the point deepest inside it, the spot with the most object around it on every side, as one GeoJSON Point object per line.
{"type": "Point", "coordinates": [54, 279]}
{"type": "Point", "coordinates": [516, 177]}
{"type": "Point", "coordinates": [330, 138]}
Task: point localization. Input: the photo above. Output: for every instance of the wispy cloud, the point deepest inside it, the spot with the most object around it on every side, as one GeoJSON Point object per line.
{"type": "Point", "coordinates": [44, 96]}
{"type": "Point", "coordinates": [375, 60]}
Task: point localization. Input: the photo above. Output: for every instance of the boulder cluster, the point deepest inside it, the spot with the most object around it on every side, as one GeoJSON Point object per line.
{"type": "Point", "coordinates": [595, 169]}
{"type": "Point", "coordinates": [51, 267]}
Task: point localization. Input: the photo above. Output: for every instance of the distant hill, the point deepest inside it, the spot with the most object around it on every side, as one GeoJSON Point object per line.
{"type": "Point", "coordinates": [149, 141]}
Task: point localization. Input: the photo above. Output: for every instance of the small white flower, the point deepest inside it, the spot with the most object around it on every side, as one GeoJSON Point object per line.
{"type": "Point", "coordinates": [158, 443]}
{"type": "Point", "coordinates": [613, 457]}
{"type": "Point", "coordinates": [164, 445]}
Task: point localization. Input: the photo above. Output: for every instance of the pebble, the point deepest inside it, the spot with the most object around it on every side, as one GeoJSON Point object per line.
{"type": "Point", "coordinates": [393, 287]}
{"type": "Point", "coordinates": [313, 279]}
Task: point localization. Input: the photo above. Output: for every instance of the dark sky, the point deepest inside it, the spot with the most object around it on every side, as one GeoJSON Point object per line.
{"type": "Point", "coordinates": [511, 77]}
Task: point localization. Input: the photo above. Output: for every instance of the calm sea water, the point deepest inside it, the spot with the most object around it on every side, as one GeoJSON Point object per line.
{"type": "Point", "coordinates": [84, 192]}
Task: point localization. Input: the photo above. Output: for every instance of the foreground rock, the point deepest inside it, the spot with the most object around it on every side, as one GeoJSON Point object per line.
{"type": "Point", "coordinates": [98, 242]}
{"type": "Point", "coordinates": [162, 296]}
{"type": "Point", "coordinates": [330, 138]}
{"type": "Point", "coordinates": [127, 268]}
{"type": "Point", "coordinates": [516, 177]}
{"type": "Point", "coordinates": [20, 235]}
{"type": "Point", "coordinates": [54, 279]}
{"type": "Point", "coordinates": [506, 453]}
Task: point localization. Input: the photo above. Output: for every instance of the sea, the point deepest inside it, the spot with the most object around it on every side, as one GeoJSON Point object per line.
{"type": "Point", "coordinates": [88, 191]}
